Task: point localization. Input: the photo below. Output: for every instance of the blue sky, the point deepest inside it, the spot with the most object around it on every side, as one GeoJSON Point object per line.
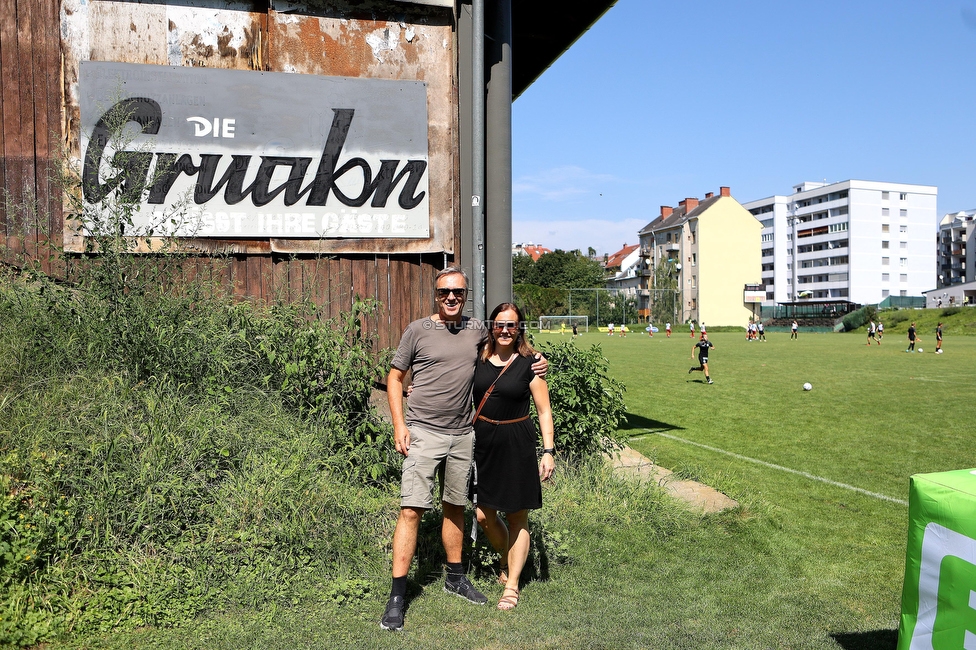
{"type": "Point", "coordinates": [665, 100]}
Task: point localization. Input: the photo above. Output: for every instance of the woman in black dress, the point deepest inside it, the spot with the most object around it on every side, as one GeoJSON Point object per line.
{"type": "Point", "coordinates": [505, 443]}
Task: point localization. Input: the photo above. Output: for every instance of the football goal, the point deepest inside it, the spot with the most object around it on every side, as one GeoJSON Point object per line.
{"type": "Point", "coordinates": [564, 324]}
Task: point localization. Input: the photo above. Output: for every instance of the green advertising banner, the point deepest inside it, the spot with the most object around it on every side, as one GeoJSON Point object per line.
{"type": "Point", "coordinates": [938, 603]}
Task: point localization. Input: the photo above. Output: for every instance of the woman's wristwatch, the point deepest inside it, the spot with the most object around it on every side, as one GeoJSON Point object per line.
{"type": "Point", "coordinates": [550, 450]}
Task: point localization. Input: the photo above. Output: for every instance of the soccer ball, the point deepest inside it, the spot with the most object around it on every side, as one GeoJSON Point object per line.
{"type": "Point", "coordinates": [807, 386]}
{"type": "Point", "coordinates": [921, 350]}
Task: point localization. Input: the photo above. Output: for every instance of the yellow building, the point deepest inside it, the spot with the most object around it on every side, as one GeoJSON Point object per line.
{"type": "Point", "coordinates": [703, 262]}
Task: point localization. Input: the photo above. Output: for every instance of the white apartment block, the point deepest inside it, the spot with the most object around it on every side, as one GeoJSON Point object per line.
{"type": "Point", "coordinates": [955, 248]}
{"type": "Point", "coordinates": [853, 241]}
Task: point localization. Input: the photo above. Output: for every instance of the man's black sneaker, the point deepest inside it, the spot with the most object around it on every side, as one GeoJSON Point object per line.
{"type": "Point", "coordinates": [466, 590]}
{"type": "Point", "coordinates": [710, 381]}
{"type": "Point", "coordinates": [691, 370]}
{"type": "Point", "coordinates": [393, 616]}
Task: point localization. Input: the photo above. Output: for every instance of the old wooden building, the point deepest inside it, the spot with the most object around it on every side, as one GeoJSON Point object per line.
{"type": "Point", "coordinates": [324, 146]}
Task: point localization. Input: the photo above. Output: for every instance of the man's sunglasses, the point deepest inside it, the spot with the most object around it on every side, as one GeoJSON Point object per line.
{"type": "Point", "coordinates": [445, 292]}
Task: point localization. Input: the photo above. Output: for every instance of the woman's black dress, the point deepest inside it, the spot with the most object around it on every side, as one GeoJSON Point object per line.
{"type": "Point", "coordinates": [505, 454]}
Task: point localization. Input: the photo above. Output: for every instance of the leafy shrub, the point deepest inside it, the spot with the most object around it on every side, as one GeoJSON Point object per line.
{"type": "Point", "coordinates": [587, 403]}
{"type": "Point", "coordinates": [949, 311]}
{"type": "Point", "coordinates": [858, 318]}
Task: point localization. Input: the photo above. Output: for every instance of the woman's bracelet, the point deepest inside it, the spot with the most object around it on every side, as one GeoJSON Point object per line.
{"type": "Point", "coordinates": [549, 450]}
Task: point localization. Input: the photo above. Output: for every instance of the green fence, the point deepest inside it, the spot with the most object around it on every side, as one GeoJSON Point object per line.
{"type": "Point", "coordinates": [903, 302]}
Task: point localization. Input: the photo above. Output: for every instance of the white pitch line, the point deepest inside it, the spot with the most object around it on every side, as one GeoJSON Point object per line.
{"type": "Point", "coordinates": [883, 497]}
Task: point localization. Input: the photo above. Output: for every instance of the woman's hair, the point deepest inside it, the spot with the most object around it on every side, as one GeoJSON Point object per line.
{"type": "Point", "coordinates": [522, 346]}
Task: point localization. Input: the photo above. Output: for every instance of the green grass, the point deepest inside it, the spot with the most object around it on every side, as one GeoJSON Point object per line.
{"type": "Point", "coordinates": [800, 564]}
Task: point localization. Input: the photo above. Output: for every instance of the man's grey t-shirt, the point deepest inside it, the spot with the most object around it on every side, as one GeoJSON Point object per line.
{"type": "Point", "coordinates": [442, 359]}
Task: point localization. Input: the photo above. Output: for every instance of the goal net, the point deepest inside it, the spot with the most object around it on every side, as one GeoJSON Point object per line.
{"type": "Point", "coordinates": [564, 323]}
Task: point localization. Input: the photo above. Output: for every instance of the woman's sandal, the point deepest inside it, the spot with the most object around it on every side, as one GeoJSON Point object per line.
{"type": "Point", "coordinates": [509, 599]}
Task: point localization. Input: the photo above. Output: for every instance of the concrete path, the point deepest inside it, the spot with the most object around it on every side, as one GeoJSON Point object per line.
{"type": "Point", "coordinates": [697, 496]}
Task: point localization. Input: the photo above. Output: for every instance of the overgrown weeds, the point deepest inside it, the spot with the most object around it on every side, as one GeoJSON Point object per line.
{"type": "Point", "coordinates": [179, 452]}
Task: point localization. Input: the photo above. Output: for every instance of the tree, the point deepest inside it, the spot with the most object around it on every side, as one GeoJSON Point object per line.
{"type": "Point", "coordinates": [563, 270]}
{"type": "Point", "coordinates": [665, 292]}
{"type": "Point", "coordinates": [523, 269]}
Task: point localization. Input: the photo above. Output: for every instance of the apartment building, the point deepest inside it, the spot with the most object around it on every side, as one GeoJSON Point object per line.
{"type": "Point", "coordinates": [853, 241]}
{"type": "Point", "coordinates": [699, 259]}
{"type": "Point", "coordinates": [955, 249]}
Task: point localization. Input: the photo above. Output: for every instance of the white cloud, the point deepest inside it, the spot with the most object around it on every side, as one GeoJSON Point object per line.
{"type": "Point", "coordinates": [605, 235]}
{"type": "Point", "coordinates": [561, 183]}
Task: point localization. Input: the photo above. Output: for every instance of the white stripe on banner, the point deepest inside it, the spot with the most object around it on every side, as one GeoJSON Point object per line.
{"type": "Point", "coordinates": [883, 497]}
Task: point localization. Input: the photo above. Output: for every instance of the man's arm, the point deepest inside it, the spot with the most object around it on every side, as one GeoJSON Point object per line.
{"type": "Point", "coordinates": [541, 365]}
{"type": "Point", "coordinates": [394, 395]}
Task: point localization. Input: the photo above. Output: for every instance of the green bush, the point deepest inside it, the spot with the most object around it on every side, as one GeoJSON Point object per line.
{"type": "Point", "coordinates": [587, 403]}
{"type": "Point", "coordinates": [949, 311]}
{"type": "Point", "coordinates": [858, 318]}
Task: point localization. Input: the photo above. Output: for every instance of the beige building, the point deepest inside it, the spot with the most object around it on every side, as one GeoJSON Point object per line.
{"type": "Point", "coordinates": [703, 261]}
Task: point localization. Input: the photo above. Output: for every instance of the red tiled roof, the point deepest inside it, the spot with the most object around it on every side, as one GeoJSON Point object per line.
{"type": "Point", "coordinates": [616, 259]}
{"type": "Point", "coordinates": [535, 251]}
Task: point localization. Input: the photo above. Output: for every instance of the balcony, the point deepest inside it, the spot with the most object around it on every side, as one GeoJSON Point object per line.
{"type": "Point", "coordinates": [672, 247]}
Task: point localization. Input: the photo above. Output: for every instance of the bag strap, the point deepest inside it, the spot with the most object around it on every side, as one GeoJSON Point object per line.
{"type": "Point", "coordinates": [491, 388]}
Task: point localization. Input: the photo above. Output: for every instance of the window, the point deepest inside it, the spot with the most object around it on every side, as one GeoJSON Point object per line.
{"type": "Point", "coordinates": [669, 238]}
{"type": "Point", "coordinates": [903, 212]}
{"type": "Point", "coordinates": [884, 293]}
{"type": "Point", "coordinates": [903, 277]}
{"type": "Point", "coordinates": [885, 277]}
{"type": "Point", "coordinates": [884, 196]}
{"type": "Point", "coordinates": [838, 227]}
{"type": "Point", "coordinates": [904, 244]}
{"type": "Point", "coordinates": [885, 212]}
{"type": "Point", "coordinates": [903, 196]}
{"type": "Point", "coordinates": [694, 259]}
{"type": "Point", "coordinates": [767, 252]}
{"type": "Point", "coordinates": [884, 244]}
{"type": "Point", "coordinates": [884, 227]}
{"type": "Point", "coordinates": [694, 281]}
{"type": "Point", "coordinates": [903, 262]}
{"type": "Point", "coordinates": [767, 223]}
{"type": "Point", "coordinates": [767, 237]}
{"type": "Point", "coordinates": [885, 261]}
{"type": "Point", "coordinates": [903, 227]}
{"type": "Point", "coordinates": [903, 292]}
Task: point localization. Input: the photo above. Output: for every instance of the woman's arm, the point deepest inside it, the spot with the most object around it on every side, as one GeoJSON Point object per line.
{"type": "Point", "coordinates": [540, 395]}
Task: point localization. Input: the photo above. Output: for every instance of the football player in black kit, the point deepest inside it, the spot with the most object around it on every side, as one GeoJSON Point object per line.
{"type": "Point", "coordinates": [702, 347]}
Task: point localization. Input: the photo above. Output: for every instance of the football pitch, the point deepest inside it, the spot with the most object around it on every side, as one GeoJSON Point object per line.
{"type": "Point", "coordinates": [822, 475]}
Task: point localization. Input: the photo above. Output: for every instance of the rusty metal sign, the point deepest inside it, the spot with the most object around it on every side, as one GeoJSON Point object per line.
{"type": "Point", "coordinates": [238, 154]}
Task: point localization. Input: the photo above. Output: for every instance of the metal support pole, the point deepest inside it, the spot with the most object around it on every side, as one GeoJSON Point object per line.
{"type": "Point", "coordinates": [478, 158]}
{"type": "Point", "coordinates": [498, 157]}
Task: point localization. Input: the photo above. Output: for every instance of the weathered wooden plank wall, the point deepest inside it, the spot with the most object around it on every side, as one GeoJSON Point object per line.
{"type": "Point", "coordinates": [29, 126]}
{"type": "Point", "coordinates": [42, 43]}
